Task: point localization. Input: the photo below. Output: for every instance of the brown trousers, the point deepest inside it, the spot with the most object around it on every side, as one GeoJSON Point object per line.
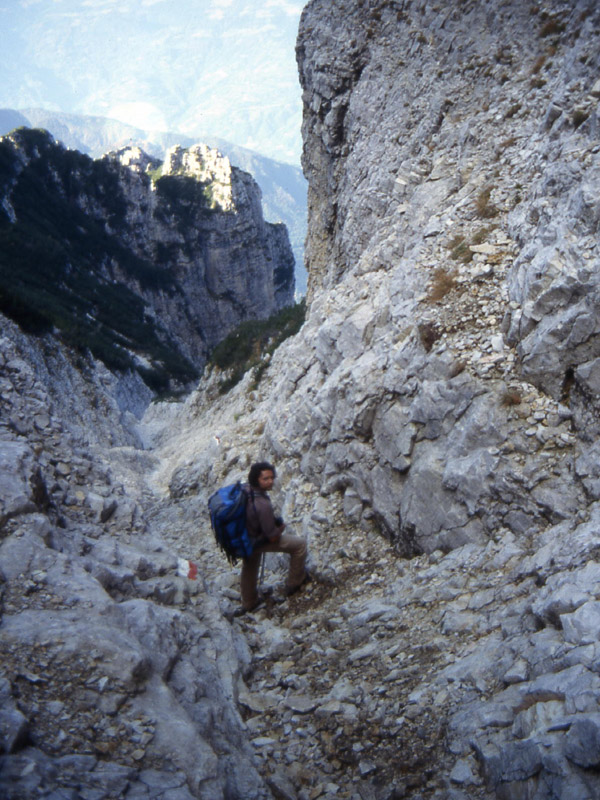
{"type": "Point", "coordinates": [294, 546]}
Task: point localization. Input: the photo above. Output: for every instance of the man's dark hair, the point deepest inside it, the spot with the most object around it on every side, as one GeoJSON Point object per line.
{"type": "Point", "coordinates": [255, 471]}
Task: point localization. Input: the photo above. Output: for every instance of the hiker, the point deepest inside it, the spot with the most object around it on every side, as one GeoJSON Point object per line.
{"type": "Point", "coordinates": [264, 527]}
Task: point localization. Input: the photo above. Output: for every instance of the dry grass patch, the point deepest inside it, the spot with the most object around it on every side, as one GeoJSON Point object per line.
{"type": "Point", "coordinates": [485, 208]}
{"type": "Point", "coordinates": [511, 398]}
{"type": "Point", "coordinates": [459, 250]}
{"type": "Point", "coordinates": [579, 117]}
{"type": "Point", "coordinates": [538, 64]}
{"type": "Point", "coordinates": [514, 109]}
{"type": "Point", "coordinates": [429, 334]}
{"type": "Point", "coordinates": [442, 284]}
{"type": "Point", "coordinates": [552, 27]}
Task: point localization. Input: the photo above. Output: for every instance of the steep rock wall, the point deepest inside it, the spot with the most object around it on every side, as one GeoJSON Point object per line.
{"type": "Point", "coordinates": [427, 143]}
{"type": "Point", "coordinates": [203, 224]}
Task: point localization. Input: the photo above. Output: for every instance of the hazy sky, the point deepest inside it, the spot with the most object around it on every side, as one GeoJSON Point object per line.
{"type": "Point", "coordinates": [220, 67]}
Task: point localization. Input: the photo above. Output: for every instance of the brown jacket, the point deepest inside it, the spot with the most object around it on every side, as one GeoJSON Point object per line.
{"type": "Point", "coordinates": [260, 517]}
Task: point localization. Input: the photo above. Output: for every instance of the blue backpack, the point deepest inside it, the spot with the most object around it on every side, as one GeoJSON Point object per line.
{"type": "Point", "coordinates": [227, 509]}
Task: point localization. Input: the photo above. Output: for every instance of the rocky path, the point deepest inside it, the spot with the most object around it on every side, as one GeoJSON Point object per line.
{"type": "Point", "coordinates": [465, 674]}
{"type": "Point", "coordinates": [352, 683]}
{"type": "Point", "coordinates": [115, 681]}
{"type": "Point", "coordinates": [444, 676]}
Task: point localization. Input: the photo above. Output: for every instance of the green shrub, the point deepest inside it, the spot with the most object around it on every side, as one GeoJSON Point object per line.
{"type": "Point", "coordinates": [185, 192]}
{"type": "Point", "coordinates": [460, 250]}
{"type": "Point", "coordinates": [250, 342]}
{"type": "Point", "coordinates": [155, 174]}
{"type": "Point", "coordinates": [480, 236]}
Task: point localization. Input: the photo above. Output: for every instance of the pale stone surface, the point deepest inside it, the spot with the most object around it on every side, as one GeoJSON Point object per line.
{"type": "Point", "coordinates": [391, 412]}
{"type": "Point", "coordinates": [105, 651]}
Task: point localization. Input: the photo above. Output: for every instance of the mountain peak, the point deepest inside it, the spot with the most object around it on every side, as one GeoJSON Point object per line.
{"type": "Point", "coordinates": [206, 165]}
{"type": "Point", "coordinates": [135, 158]}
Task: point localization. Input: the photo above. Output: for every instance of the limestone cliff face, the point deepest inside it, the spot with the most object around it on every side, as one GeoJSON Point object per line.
{"type": "Point", "coordinates": [161, 270]}
{"type": "Point", "coordinates": [452, 261]}
{"type": "Point", "coordinates": [202, 220]}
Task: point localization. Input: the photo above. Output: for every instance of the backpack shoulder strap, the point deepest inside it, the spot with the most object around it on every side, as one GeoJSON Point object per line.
{"type": "Point", "coordinates": [262, 537]}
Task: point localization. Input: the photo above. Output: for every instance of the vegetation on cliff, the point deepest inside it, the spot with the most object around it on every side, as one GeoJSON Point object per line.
{"type": "Point", "coordinates": [183, 196]}
{"type": "Point", "coordinates": [253, 342]}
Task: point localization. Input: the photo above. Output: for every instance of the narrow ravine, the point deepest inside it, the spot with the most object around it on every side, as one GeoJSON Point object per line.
{"type": "Point", "coordinates": [351, 685]}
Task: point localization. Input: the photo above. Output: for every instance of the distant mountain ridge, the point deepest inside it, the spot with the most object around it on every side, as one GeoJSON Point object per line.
{"type": "Point", "coordinates": [218, 66]}
{"type": "Point", "coordinates": [283, 186]}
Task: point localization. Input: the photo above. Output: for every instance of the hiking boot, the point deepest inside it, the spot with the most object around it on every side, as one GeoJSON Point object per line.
{"type": "Point", "coordinates": [289, 591]}
{"type": "Point", "coordinates": [260, 603]}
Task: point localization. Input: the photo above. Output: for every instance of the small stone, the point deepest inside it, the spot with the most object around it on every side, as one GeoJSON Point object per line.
{"type": "Point", "coordinates": [485, 249]}
{"type": "Point", "coordinates": [281, 787]}
{"type": "Point", "coordinates": [41, 421]}
{"type": "Point", "coordinates": [263, 741]}
{"type": "Point", "coordinates": [497, 343]}
{"type": "Point", "coordinates": [518, 672]}
{"type": "Point", "coordinates": [462, 774]}
{"type": "Point", "coordinates": [301, 704]}
{"type": "Point", "coordinates": [368, 651]}
{"type": "Point", "coordinates": [366, 768]}
{"type": "Point", "coordinates": [31, 677]}
{"type": "Point", "coordinates": [328, 708]}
